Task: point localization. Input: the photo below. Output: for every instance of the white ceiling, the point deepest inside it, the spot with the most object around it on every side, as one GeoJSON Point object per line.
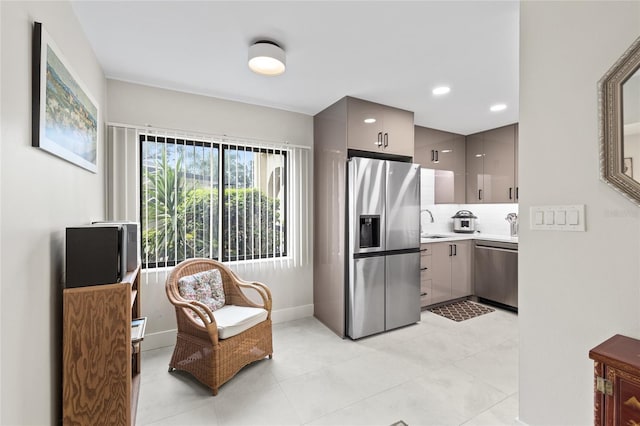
{"type": "Point", "coordinates": [390, 52]}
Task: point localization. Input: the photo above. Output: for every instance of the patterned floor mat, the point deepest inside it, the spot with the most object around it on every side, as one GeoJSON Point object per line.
{"type": "Point", "coordinates": [460, 311]}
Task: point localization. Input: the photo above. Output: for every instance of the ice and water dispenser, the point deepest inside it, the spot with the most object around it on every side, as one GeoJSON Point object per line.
{"type": "Point", "coordinates": [369, 231]}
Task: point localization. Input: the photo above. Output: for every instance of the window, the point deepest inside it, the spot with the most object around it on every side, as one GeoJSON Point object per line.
{"type": "Point", "coordinates": [211, 199]}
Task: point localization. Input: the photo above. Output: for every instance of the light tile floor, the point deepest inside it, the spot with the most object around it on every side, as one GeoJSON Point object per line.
{"type": "Point", "coordinates": [436, 372]}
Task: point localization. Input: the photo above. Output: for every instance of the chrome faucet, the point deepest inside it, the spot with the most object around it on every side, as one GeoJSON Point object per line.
{"type": "Point", "coordinates": [430, 215]}
{"type": "Point", "coordinates": [512, 218]}
{"type": "Point", "coordinates": [428, 211]}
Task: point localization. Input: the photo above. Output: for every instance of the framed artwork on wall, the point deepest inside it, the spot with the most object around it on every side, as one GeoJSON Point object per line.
{"type": "Point", "coordinates": [65, 116]}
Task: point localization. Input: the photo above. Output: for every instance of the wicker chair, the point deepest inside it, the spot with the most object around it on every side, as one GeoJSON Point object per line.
{"type": "Point", "coordinates": [199, 350]}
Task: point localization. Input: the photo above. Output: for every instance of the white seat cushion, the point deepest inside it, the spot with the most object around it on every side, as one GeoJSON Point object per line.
{"type": "Point", "coordinates": [232, 319]}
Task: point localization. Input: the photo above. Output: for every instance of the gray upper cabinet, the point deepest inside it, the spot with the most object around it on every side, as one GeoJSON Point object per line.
{"type": "Point", "coordinates": [445, 153]}
{"type": "Point", "coordinates": [475, 168]}
{"type": "Point", "coordinates": [491, 166]}
{"type": "Point", "coordinates": [378, 128]}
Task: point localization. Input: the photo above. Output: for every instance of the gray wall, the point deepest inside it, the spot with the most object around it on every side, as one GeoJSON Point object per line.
{"type": "Point", "coordinates": [576, 288]}
{"type": "Point", "coordinates": [144, 105]}
{"type": "Point", "coordinates": [290, 282]}
{"type": "Point", "coordinates": [40, 195]}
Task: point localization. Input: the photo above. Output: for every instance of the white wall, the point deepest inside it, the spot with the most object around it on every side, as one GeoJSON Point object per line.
{"type": "Point", "coordinates": [576, 288]}
{"type": "Point", "coordinates": [291, 283]}
{"type": "Point", "coordinates": [491, 217]}
{"type": "Point", "coordinates": [40, 196]}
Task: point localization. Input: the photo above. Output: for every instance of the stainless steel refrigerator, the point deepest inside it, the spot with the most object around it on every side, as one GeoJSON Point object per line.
{"type": "Point", "coordinates": [383, 246]}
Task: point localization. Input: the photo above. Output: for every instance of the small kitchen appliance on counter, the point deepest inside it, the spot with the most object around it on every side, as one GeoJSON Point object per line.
{"type": "Point", "coordinates": [464, 222]}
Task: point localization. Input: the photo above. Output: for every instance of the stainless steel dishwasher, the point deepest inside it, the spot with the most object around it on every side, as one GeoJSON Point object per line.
{"type": "Point", "coordinates": [496, 272]}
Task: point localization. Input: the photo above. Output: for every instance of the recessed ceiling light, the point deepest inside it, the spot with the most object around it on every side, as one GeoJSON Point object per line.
{"type": "Point", "coordinates": [266, 58]}
{"type": "Point", "coordinates": [441, 90]}
{"type": "Point", "coordinates": [498, 107]}
{"type": "Point", "coordinates": [369, 120]}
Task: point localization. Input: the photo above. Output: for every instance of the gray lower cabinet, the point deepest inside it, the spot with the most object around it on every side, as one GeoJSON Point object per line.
{"type": "Point", "coordinates": [450, 271]}
{"type": "Point", "coordinates": [426, 278]}
{"type": "Point", "coordinates": [441, 272]}
{"type": "Point", "coordinates": [461, 267]}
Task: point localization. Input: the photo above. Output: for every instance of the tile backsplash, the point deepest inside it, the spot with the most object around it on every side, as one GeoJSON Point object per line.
{"type": "Point", "coordinates": [491, 217]}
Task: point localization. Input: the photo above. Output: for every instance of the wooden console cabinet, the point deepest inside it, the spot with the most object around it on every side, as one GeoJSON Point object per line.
{"type": "Point", "coordinates": [101, 365]}
{"type": "Point", "coordinates": [616, 381]}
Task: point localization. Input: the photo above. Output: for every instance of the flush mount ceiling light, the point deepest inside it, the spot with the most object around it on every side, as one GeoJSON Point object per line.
{"type": "Point", "coordinates": [369, 120]}
{"type": "Point", "coordinates": [441, 90]}
{"type": "Point", "coordinates": [498, 107]}
{"type": "Point", "coordinates": [266, 58]}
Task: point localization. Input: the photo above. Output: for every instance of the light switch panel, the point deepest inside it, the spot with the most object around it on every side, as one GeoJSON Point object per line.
{"type": "Point", "coordinates": [538, 218]}
{"type": "Point", "coordinates": [573, 217]}
{"type": "Point", "coordinates": [548, 217]}
{"type": "Point", "coordinates": [558, 218]}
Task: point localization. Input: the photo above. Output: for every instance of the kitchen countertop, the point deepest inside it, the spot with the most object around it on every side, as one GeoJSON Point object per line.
{"type": "Point", "coordinates": [453, 236]}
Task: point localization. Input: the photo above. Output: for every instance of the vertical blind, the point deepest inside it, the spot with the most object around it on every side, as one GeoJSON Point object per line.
{"type": "Point", "coordinates": [209, 196]}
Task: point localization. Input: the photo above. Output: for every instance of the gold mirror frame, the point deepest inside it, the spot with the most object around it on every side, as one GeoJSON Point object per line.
{"type": "Point", "coordinates": [611, 124]}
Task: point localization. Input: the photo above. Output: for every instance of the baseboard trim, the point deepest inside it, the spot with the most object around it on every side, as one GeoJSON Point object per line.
{"type": "Point", "coordinates": [159, 340]}
{"type": "Point", "coordinates": [165, 338]}
{"type": "Point", "coordinates": [290, 314]}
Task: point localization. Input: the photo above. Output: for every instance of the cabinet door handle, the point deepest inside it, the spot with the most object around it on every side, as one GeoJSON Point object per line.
{"type": "Point", "coordinates": [433, 156]}
{"type": "Point", "coordinates": [479, 194]}
{"type": "Point", "coordinates": [450, 250]}
{"type": "Point", "coordinates": [423, 294]}
{"type": "Point", "coordinates": [517, 193]}
{"type": "Point", "coordinates": [437, 157]}
{"type": "Point", "coordinates": [379, 139]}
{"type": "Point", "coordinates": [386, 140]}
{"type": "Point", "coordinates": [423, 269]}
{"type": "Point", "coordinates": [455, 249]}
{"type": "Point", "coordinates": [510, 193]}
